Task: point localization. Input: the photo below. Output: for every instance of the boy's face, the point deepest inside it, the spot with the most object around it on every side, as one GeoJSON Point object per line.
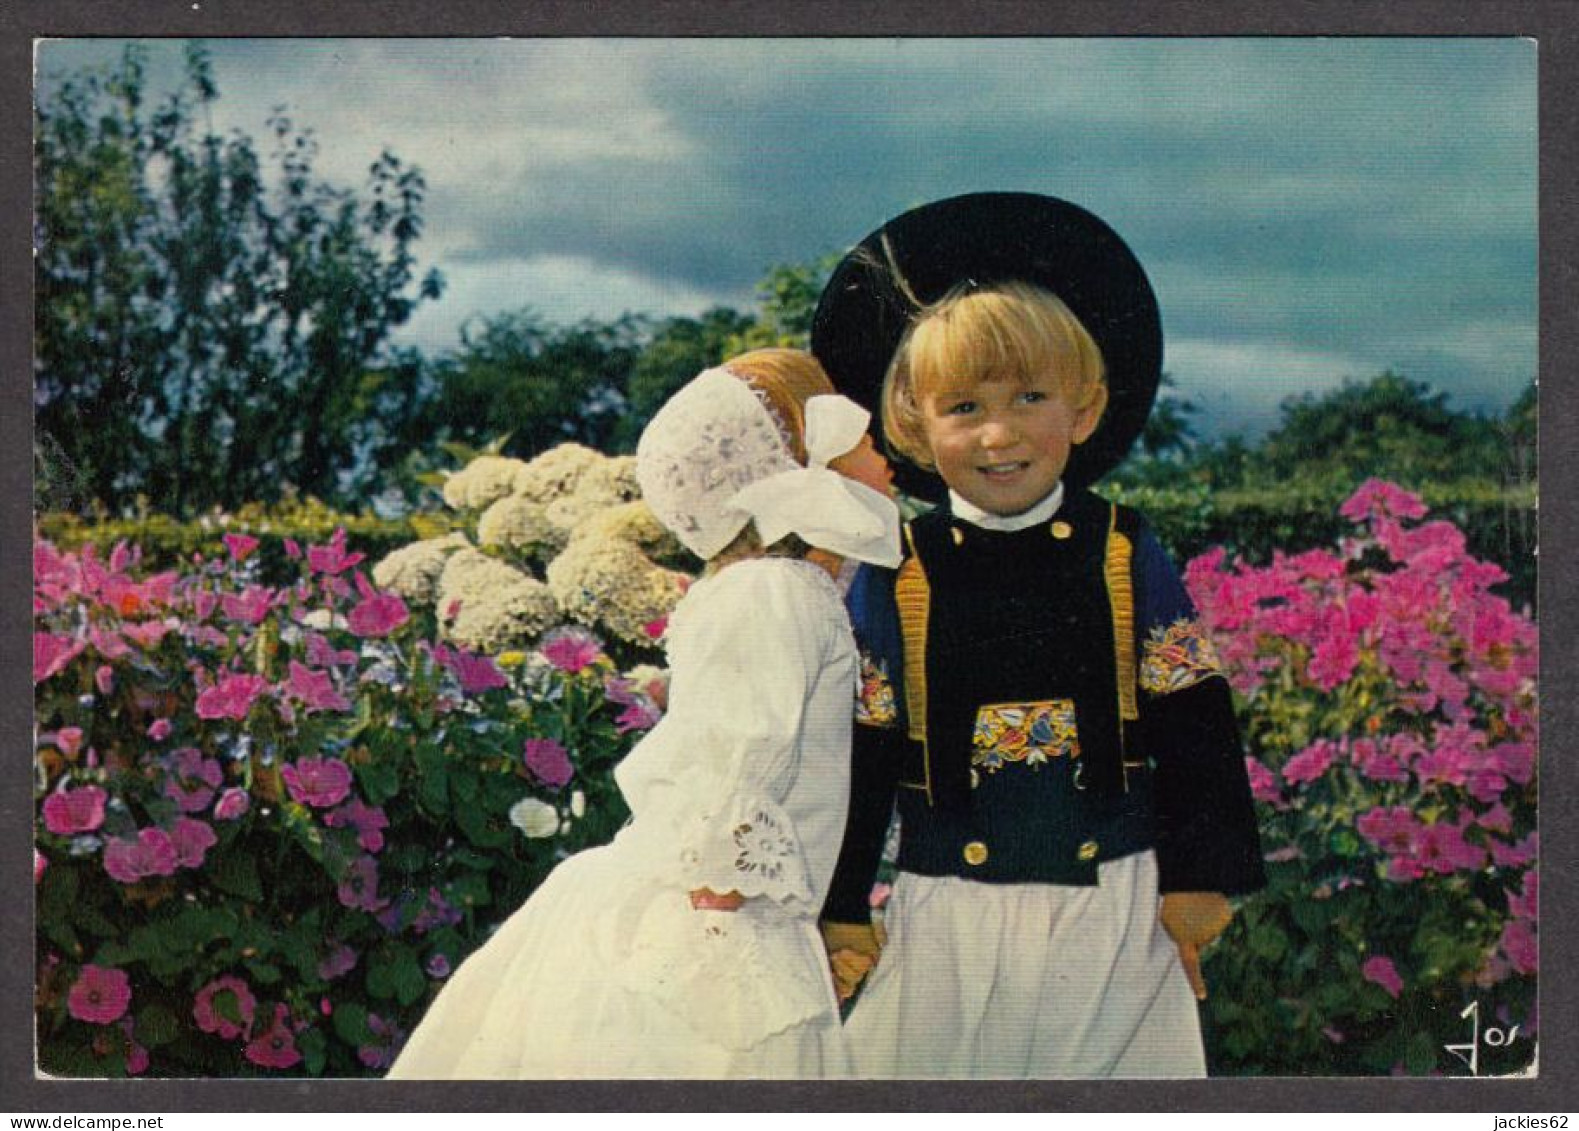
{"type": "Point", "coordinates": [1003, 445]}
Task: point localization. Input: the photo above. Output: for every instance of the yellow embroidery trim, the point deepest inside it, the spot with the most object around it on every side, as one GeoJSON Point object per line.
{"type": "Point", "coordinates": [913, 595]}
{"type": "Point", "coordinates": [1176, 657]}
{"type": "Point", "coordinates": [1033, 733]}
{"type": "Point", "coordinates": [1121, 595]}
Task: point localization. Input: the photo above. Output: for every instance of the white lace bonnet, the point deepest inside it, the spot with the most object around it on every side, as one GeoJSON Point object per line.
{"type": "Point", "coordinates": [714, 458]}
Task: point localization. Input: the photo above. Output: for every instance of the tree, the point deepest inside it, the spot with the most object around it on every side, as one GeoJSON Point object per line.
{"type": "Point", "coordinates": [209, 332]}
{"type": "Point", "coordinates": [542, 384]}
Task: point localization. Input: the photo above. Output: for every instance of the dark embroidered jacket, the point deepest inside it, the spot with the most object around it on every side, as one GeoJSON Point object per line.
{"type": "Point", "coordinates": [1041, 701]}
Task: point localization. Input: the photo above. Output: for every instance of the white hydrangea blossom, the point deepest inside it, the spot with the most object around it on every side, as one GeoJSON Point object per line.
{"type": "Point", "coordinates": [480, 482]}
{"type": "Point", "coordinates": [487, 605]}
{"type": "Point", "coordinates": [610, 584]}
{"type": "Point", "coordinates": [537, 819]}
{"type": "Point", "coordinates": [520, 524]}
{"type": "Point", "coordinates": [556, 473]}
{"type": "Point", "coordinates": [613, 478]}
{"type": "Point", "coordinates": [412, 572]}
{"type": "Point", "coordinates": [630, 522]}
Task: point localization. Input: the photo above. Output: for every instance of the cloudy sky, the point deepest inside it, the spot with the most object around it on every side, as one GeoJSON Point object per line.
{"type": "Point", "coordinates": [1310, 210]}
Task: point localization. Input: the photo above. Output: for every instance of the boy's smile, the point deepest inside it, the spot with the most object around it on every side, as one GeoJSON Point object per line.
{"type": "Point", "coordinates": [1003, 444]}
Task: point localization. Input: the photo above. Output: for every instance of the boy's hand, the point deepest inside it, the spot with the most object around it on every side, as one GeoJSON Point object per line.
{"type": "Point", "coordinates": [706, 899]}
{"type": "Point", "coordinates": [1193, 919]}
{"type": "Point", "coordinates": [853, 950]}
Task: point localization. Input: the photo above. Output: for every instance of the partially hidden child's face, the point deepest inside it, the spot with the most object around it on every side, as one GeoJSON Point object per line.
{"type": "Point", "coordinates": [1003, 444]}
{"type": "Point", "coordinates": [866, 465]}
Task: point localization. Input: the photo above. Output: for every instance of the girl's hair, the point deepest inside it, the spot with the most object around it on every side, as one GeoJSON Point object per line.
{"type": "Point", "coordinates": [1005, 332]}
{"type": "Point", "coordinates": [785, 379]}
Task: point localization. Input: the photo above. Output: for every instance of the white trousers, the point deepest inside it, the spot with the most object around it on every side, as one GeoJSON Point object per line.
{"type": "Point", "coordinates": [1028, 981]}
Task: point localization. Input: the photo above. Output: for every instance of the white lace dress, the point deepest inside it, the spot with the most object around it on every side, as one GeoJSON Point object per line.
{"type": "Point", "coordinates": [607, 971]}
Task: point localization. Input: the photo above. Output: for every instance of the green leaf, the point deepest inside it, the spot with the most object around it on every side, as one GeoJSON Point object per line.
{"type": "Point", "coordinates": [350, 1023]}
{"type": "Point", "coordinates": [1420, 1054]}
{"type": "Point", "coordinates": [379, 779]}
{"type": "Point", "coordinates": [395, 973]}
{"type": "Point", "coordinates": [156, 1026]}
{"type": "Point", "coordinates": [314, 1047]}
{"type": "Point", "coordinates": [236, 872]}
{"type": "Point", "coordinates": [433, 793]}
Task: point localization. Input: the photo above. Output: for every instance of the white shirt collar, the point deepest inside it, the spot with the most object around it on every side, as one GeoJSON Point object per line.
{"type": "Point", "coordinates": [1040, 513]}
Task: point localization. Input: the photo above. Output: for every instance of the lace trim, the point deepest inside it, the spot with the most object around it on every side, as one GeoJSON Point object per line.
{"type": "Point", "coordinates": [754, 851]}
{"type": "Point", "coordinates": [736, 977]}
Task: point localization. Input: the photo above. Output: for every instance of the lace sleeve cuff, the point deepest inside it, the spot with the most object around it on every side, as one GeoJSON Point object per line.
{"type": "Point", "coordinates": [749, 846]}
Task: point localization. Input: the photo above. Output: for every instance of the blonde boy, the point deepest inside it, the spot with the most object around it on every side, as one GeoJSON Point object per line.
{"type": "Point", "coordinates": [1073, 800]}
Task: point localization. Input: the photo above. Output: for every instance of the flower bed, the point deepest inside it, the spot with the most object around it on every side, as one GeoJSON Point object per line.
{"type": "Point", "coordinates": [1388, 699]}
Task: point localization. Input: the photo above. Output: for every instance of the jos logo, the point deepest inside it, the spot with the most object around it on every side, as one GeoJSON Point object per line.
{"type": "Point", "coordinates": [1492, 1038]}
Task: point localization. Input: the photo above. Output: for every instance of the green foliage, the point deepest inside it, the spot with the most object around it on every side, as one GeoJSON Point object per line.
{"type": "Point", "coordinates": [541, 383]}
{"type": "Point", "coordinates": [200, 338]}
{"type": "Point", "coordinates": [679, 350]}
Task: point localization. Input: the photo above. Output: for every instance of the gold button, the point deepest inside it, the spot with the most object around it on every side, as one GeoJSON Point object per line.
{"type": "Point", "coordinates": [958, 535]}
{"type": "Point", "coordinates": [1062, 530]}
{"type": "Point", "coordinates": [975, 854]}
{"type": "Point", "coordinates": [1088, 850]}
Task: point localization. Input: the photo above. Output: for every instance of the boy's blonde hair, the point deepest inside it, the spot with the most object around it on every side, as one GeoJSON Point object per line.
{"type": "Point", "coordinates": [1006, 332]}
{"type": "Point", "coordinates": [787, 379]}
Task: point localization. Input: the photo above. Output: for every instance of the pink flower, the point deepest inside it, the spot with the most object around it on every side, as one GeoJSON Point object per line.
{"type": "Point", "coordinates": [655, 629]}
{"type": "Point", "coordinates": [146, 634]}
{"type": "Point", "coordinates": [1514, 759]}
{"type": "Point", "coordinates": [136, 1055]}
{"type": "Point", "coordinates": [322, 654]}
{"type": "Point", "coordinates": [193, 779]}
{"type": "Point", "coordinates": [275, 1047]}
{"type": "Point", "coordinates": [74, 811]}
{"type": "Point", "coordinates": [1518, 943]}
{"type": "Point", "coordinates": [878, 898]}
{"type": "Point", "coordinates": [1391, 830]}
{"type": "Point", "coordinates": [378, 614]}
{"type": "Point", "coordinates": [69, 740]}
{"type": "Point", "coordinates": [52, 653]}
{"type": "Point", "coordinates": [240, 545]}
{"type": "Point", "coordinates": [638, 716]}
{"type": "Point", "coordinates": [233, 803]}
{"type": "Point", "coordinates": [1382, 972]}
{"type": "Point", "coordinates": [339, 962]}
{"type": "Point", "coordinates": [318, 782]}
{"type": "Point", "coordinates": [1513, 855]}
{"type": "Point", "coordinates": [1523, 904]}
{"type": "Point", "coordinates": [331, 559]}
{"type": "Point", "coordinates": [369, 823]}
{"type": "Point", "coordinates": [1310, 763]}
{"type": "Point", "coordinates": [159, 730]}
{"type": "Point", "coordinates": [151, 854]}
{"type": "Point", "coordinates": [100, 995]}
{"type": "Point", "coordinates": [1376, 498]}
{"type": "Point", "coordinates": [1497, 819]}
{"type": "Point", "coordinates": [1263, 782]}
{"type": "Point", "coordinates": [314, 690]}
{"type": "Point", "coordinates": [108, 643]}
{"type": "Point", "coordinates": [40, 865]}
{"type": "Point", "coordinates": [359, 889]}
{"type": "Point", "coordinates": [547, 761]}
{"type": "Point", "coordinates": [224, 1007]}
{"type": "Point", "coordinates": [476, 673]}
{"type": "Point", "coordinates": [293, 549]}
{"type": "Point", "coordinates": [192, 840]}
{"type": "Point", "coordinates": [249, 606]}
{"type": "Point", "coordinates": [1443, 849]}
{"type": "Point", "coordinates": [231, 697]}
{"type": "Point", "coordinates": [104, 679]}
{"type": "Point", "coordinates": [571, 651]}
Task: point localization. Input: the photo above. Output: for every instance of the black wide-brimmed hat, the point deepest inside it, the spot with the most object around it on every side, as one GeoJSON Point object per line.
{"type": "Point", "coordinates": [981, 239]}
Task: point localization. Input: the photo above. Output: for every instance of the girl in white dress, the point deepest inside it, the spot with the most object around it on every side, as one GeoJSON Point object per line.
{"type": "Point", "coordinates": [688, 947]}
